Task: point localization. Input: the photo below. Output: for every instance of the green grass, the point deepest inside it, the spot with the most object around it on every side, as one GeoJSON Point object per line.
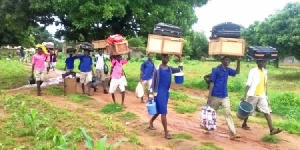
{"type": "Point", "coordinates": [19, 130]}
{"type": "Point", "coordinates": [78, 97]}
{"type": "Point", "coordinates": [271, 139]}
{"type": "Point", "coordinates": [112, 108]}
{"type": "Point", "coordinates": [55, 90]}
{"type": "Point", "coordinates": [209, 146]}
{"type": "Point", "coordinates": [128, 116]}
{"type": "Point", "coordinates": [183, 136]}
{"type": "Point", "coordinates": [135, 140]}
{"type": "Point", "coordinates": [184, 108]}
{"type": "Point", "coordinates": [13, 74]}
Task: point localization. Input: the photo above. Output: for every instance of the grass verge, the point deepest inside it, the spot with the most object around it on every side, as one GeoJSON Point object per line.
{"type": "Point", "coordinates": [271, 139]}
{"type": "Point", "coordinates": [112, 108]}
{"type": "Point", "coordinates": [78, 97]}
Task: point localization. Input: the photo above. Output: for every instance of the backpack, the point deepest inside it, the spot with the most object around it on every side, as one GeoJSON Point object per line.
{"type": "Point", "coordinates": [105, 67]}
{"type": "Point", "coordinates": [207, 78]}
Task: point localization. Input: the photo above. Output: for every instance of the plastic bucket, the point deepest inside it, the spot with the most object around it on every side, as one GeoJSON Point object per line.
{"type": "Point", "coordinates": [244, 110]}
{"type": "Point", "coordinates": [151, 107]}
{"type": "Point", "coordinates": [179, 78]}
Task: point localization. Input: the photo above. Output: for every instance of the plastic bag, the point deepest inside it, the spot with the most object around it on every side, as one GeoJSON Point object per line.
{"type": "Point", "coordinates": [208, 118]}
{"type": "Point", "coordinates": [139, 90]}
{"type": "Point", "coordinates": [114, 38]}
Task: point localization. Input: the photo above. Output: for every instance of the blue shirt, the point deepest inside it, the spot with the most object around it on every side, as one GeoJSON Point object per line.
{"type": "Point", "coordinates": [147, 68]}
{"type": "Point", "coordinates": [86, 63]}
{"type": "Point", "coordinates": [219, 77]}
{"type": "Point", "coordinates": [70, 62]}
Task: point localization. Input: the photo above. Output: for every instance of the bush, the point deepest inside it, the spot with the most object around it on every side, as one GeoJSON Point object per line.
{"type": "Point", "coordinates": [137, 41]}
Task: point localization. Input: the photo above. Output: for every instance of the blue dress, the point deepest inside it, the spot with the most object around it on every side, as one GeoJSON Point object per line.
{"type": "Point", "coordinates": [162, 97]}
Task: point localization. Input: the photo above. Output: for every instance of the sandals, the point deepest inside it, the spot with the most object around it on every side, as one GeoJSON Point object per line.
{"type": "Point", "coordinates": [105, 91]}
{"type": "Point", "coordinates": [245, 127]}
{"type": "Point", "coordinates": [275, 131]}
{"type": "Point", "coordinates": [168, 136]}
{"type": "Point", "coordinates": [236, 136]}
{"type": "Point", "coordinates": [151, 128]}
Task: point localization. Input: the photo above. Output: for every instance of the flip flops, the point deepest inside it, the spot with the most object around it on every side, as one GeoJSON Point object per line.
{"type": "Point", "coordinates": [236, 136]}
{"type": "Point", "coordinates": [151, 128]}
{"type": "Point", "coordinates": [168, 136]}
{"type": "Point", "coordinates": [275, 131]}
{"type": "Point", "coordinates": [245, 127]}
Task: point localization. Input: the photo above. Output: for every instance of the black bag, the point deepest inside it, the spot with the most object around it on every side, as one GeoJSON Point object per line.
{"type": "Point", "coordinates": [71, 50]}
{"type": "Point", "coordinates": [31, 80]}
{"type": "Point", "coordinates": [167, 30]}
{"type": "Point", "coordinates": [227, 30]}
{"type": "Point", "coordinates": [86, 46]}
{"type": "Point", "coordinates": [207, 78]}
{"type": "Point", "coordinates": [262, 52]}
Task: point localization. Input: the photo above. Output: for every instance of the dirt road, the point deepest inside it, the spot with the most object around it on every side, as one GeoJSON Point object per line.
{"type": "Point", "coordinates": [178, 123]}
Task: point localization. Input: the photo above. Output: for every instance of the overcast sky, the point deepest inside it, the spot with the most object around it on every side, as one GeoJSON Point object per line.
{"type": "Point", "coordinates": [243, 12]}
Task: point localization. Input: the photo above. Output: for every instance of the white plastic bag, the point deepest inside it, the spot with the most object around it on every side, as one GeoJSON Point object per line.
{"type": "Point", "coordinates": [139, 90]}
{"type": "Point", "coordinates": [208, 118]}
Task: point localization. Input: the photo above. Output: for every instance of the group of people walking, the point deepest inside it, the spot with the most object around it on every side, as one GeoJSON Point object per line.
{"type": "Point", "coordinates": [157, 83]}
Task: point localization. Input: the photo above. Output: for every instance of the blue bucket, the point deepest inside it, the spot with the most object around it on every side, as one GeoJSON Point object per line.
{"type": "Point", "coordinates": [244, 110]}
{"type": "Point", "coordinates": [151, 107]}
{"type": "Point", "coordinates": [179, 78]}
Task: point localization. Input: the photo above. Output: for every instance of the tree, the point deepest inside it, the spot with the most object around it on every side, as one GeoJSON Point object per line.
{"type": "Point", "coordinates": [90, 19]}
{"type": "Point", "coordinates": [281, 30]}
{"type": "Point", "coordinates": [196, 45]}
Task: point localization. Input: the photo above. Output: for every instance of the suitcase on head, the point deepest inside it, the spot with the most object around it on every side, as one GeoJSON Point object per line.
{"type": "Point", "coordinates": [227, 30]}
{"type": "Point", "coordinates": [86, 46]}
{"type": "Point", "coordinates": [262, 52]}
{"type": "Point", "coordinates": [165, 29]}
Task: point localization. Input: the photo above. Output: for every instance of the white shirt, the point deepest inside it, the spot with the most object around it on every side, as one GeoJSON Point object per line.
{"type": "Point", "coordinates": [254, 79]}
{"type": "Point", "coordinates": [100, 61]}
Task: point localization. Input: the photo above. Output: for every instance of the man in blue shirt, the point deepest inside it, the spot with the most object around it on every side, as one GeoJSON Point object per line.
{"type": "Point", "coordinates": [218, 95]}
{"type": "Point", "coordinates": [70, 63]}
{"type": "Point", "coordinates": [86, 69]}
{"type": "Point", "coordinates": [147, 69]}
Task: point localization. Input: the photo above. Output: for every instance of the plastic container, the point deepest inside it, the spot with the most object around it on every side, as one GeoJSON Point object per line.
{"type": "Point", "coordinates": [179, 78]}
{"type": "Point", "coordinates": [151, 107]}
{"type": "Point", "coordinates": [244, 110]}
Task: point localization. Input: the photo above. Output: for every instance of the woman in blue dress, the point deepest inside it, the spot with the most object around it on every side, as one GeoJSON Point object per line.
{"type": "Point", "coordinates": [160, 90]}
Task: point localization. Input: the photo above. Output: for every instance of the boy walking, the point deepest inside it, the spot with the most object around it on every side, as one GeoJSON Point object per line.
{"type": "Point", "coordinates": [147, 69]}
{"type": "Point", "coordinates": [116, 76]}
{"type": "Point", "coordinates": [218, 95]}
{"type": "Point", "coordinates": [38, 69]}
{"type": "Point", "coordinates": [87, 72]}
{"type": "Point", "coordinates": [256, 94]}
{"type": "Point", "coordinates": [69, 67]}
{"type": "Point", "coordinates": [100, 62]}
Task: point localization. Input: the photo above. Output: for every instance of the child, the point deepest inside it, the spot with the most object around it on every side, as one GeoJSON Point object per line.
{"type": "Point", "coordinates": [54, 60]}
{"type": "Point", "coordinates": [160, 90]}
{"type": "Point", "coordinates": [116, 76]}
{"type": "Point", "coordinates": [38, 68]}
{"type": "Point", "coordinates": [69, 67]}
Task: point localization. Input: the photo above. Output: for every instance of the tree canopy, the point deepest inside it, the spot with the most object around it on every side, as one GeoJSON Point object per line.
{"type": "Point", "coordinates": [281, 30]}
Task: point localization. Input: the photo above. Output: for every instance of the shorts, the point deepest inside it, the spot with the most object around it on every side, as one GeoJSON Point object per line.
{"type": "Point", "coordinates": [39, 75]}
{"type": "Point", "coordinates": [260, 103]}
{"type": "Point", "coordinates": [86, 77]}
{"type": "Point", "coordinates": [114, 83]}
{"type": "Point", "coordinates": [147, 83]}
{"type": "Point", "coordinates": [100, 74]}
{"type": "Point", "coordinates": [69, 70]}
{"type": "Point", "coordinates": [53, 64]}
